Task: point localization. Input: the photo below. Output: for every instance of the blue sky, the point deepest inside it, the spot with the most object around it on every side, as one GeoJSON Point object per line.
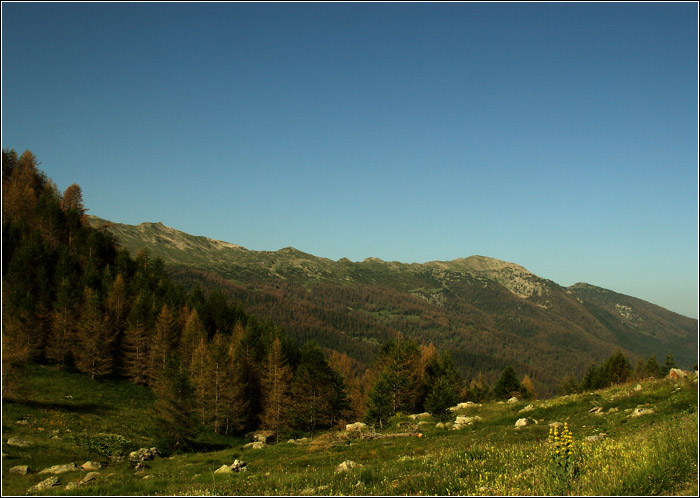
{"type": "Point", "coordinates": [562, 137]}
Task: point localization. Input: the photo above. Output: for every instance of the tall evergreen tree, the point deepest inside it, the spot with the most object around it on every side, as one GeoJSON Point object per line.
{"type": "Point", "coordinates": [173, 413]}
{"type": "Point", "coordinates": [508, 384]}
{"type": "Point", "coordinates": [399, 374]}
{"type": "Point", "coordinates": [318, 392]}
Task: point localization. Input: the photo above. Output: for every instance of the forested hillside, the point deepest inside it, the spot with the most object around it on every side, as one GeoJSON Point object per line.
{"type": "Point", "coordinates": [487, 313]}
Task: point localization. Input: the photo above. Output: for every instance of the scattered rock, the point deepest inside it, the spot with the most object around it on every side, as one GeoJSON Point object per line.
{"type": "Point", "coordinates": [463, 421]}
{"type": "Point", "coordinates": [677, 373]}
{"type": "Point", "coordinates": [72, 485]}
{"type": "Point", "coordinates": [357, 426]}
{"type": "Point", "coordinates": [513, 400]}
{"type": "Point", "coordinates": [596, 410]}
{"type": "Point", "coordinates": [556, 424]}
{"type": "Point", "coordinates": [257, 445]}
{"type": "Point", "coordinates": [143, 455]}
{"type": "Point", "coordinates": [613, 410]}
{"type": "Point", "coordinates": [462, 406]}
{"type": "Point", "coordinates": [89, 477]}
{"type": "Point", "coordinates": [224, 469]}
{"type": "Point", "coordinates": [45, 484]}
{"type": "Point", "coordinates": [263, 436]}
{"type": "Point", "coordinates": [15, 441]}
{"type": "Point", "coordinates": [528, 408]}
{"type": "Point", "coordinates": [638, 387]}
{"type": "Point", "coordinates": [68, 396]}
{"type": "Point", "coordinates": [639, 411]}
{"type": "Point", "coordinates": [522, 422]}
{"type": "Point", "coordinates": [60, 469]}
{"type": "Point", "coordinates": [595, 438]}
{"type": "Point", "coordinates": [297, 441]}
{"type": "Point", "coordinates": [22, 422]}
{"type": "Point", "coordinates": [420, 416]}
{"type": "Point", "coordinates": [91, 466]}
{"type": "Point", "coordinates": [347, 465]}
{"type": "Point", "coordinates": [20, 469]}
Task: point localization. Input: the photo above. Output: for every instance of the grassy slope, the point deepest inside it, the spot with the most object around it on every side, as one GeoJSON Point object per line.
{"type": "Point", "coordinates": [650, 454]}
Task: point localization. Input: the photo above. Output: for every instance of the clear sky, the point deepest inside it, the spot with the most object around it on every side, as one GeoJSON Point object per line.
{"type": "Point", "coordinates": [562, 137]}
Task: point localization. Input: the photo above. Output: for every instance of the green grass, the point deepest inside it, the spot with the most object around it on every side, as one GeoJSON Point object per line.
{"type": "Point", "coordinates": [650, 454]}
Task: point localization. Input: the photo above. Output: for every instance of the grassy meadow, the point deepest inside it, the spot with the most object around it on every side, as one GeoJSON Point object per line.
{"type": "Point", "coordinates": [66, 418]}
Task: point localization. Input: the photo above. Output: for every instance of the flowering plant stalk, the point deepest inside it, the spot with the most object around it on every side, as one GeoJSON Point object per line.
{"type": "Point", "coordinates": [561, 456]}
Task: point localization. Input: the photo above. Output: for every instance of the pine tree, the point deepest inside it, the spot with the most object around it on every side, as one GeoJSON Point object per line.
{"type": "Point", "coordinates": [172, 410]}
{"type": "Point", "coordinates": [443, 395]}
{"type": "Point", "coordinates": [618, 368]}
{"type": "Point", "coordinates": [276, 380]}
{"type": "Point", "coordinates": [318, 392]}
{"type": "Point", "coordinates": [569, 385]}
{"type": "Point", "coordinates": [398, 369]}
{"type": "Point", "coordinates": [668, 364]}
{"type": "Point", "coordinates": [652, 368]}
{"type": "Point", "coordinates": [508, 384]}
{"type": "Point", "coordinates": [379, 403]}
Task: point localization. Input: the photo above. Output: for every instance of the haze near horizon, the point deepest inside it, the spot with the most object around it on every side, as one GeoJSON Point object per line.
{"type": "Point", "coordinates": [560, 137]}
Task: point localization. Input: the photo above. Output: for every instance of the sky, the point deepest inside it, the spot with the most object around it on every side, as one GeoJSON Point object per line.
{"type": "Point", "coordinates": [561, 137]}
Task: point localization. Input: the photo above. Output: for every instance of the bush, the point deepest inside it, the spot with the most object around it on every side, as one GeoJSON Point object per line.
{"type": "Point", "coordinates": [104, 444]}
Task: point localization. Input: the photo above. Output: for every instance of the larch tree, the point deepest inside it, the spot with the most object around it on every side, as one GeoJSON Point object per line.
{"type": "Point", "coordinates": [163, 343]}
{"type": "Point", "coordinates": [136, 341]}
{"type": "Point", "coordinates": [198, 376]}
{"type": "Point", "coordinates": [61, 339]}
{"type": "Point", "coordinates": [192, 334]}
{"type": "Point", "coordinates": [276, 380]}
{"type": "Point", "coordinates": [93, 352]}
{"type": "Point", "coordinates": [529, 387]}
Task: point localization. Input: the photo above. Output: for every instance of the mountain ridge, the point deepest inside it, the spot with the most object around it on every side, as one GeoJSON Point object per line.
{"type": "Point", "coordinates": [486, 311]}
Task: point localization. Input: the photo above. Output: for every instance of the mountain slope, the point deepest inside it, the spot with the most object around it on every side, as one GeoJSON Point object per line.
{"type": "Point", "coordinates": [487, 312]}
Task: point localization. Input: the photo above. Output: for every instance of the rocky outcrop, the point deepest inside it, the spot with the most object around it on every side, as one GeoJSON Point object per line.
{"type": "Point", "coordinates": [89, 466]}
{"type": "Point", "coordinates": [513, 400]}
{"type": "Point", "coordinates": [256, 445]}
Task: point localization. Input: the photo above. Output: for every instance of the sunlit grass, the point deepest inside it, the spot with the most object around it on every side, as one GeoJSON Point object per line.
{"type": "Point", "coordinates": [651, 454]}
